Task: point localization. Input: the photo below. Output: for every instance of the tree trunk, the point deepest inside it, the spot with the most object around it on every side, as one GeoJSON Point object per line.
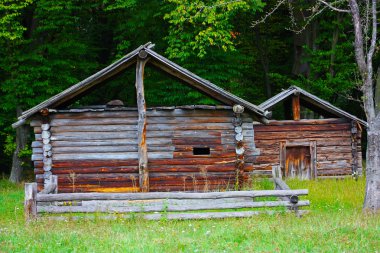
{"type": "Point", "coordinates": [261, 47]}
{"type": "Point", "coordinates": [377, 92]}
{"type": "Point", "coordinates": [334, 43]}
{"type": "Point", "coordinates": [372, 196]}
{"type": "Point", "coordinates": [22, 133]}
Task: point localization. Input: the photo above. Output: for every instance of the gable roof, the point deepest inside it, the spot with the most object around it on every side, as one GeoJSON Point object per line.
{"type": "Point", "coordinates": [312, 99]}
{"type": "Point", "coordinates": [159, 61]}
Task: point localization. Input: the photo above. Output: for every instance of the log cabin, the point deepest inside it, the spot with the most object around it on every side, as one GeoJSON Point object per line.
{"type": "Point", "coordinates": [122, 149]}
{"type": "Point", "coordinates": [308, 138]}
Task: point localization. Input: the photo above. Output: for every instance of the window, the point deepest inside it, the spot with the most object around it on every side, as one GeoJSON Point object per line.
{"type": "Point", "coordinates": [201, 151]}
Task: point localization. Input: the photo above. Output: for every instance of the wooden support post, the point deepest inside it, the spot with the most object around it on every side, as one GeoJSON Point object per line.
{"type": "Point", "coordinates": [30, 204]}
{"type": "Point", "coordinates": [283, 158]}
{"type": "Point", "coordinates": [296, 107]}
{"type": "Point", "coordinates": [276, 172]}
{"type": "Point", "coordinates": [313, 158]}
{"type": "Point", "coordinates": [141, 128]}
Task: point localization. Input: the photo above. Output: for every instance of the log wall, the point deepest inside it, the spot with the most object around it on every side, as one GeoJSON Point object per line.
{"type": "Point", "coordinates": [333, 137]}
{"type": "Point", "coordinates": [97, 151]}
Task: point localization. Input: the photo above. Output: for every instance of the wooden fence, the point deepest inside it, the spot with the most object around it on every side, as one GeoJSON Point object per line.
{"type": "Point", "coordinates": [167, 205]}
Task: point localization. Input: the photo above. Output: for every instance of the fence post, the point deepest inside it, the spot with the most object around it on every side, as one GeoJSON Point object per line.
{"type": "Point", "coordinates": [30, 204]}
{"type": "Point", "coordinates": [54, 181]}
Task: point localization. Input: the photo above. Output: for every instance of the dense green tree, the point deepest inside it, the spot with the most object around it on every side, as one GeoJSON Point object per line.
{"type": "Point", "coordinates": [47, 46]}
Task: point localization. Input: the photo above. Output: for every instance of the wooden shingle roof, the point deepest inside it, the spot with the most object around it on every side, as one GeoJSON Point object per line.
{"type": "Point", "coordinates": [159, 61]}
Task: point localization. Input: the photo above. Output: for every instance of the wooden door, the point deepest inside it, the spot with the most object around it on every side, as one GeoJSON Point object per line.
{"type": "Point", "coordinates": [298, 162]}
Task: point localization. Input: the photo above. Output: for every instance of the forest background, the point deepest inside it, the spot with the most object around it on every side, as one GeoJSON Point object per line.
{"type": "Point", "coordinates": [49, 45]}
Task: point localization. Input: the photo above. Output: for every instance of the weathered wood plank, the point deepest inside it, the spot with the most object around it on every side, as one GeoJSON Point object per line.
{"type": "Point", "coordinates": [296, 107]}
{"type": "Point", "coordinates": [321, 142]}
{"type": "Point", "coordinates": [151, 112]}
{"type": "Point", "coordinates": [89, 170]}
{"type": "Point", "coordinates": [103, 149]}
{"type": "Point", "coordinates": [108, 156]}
{"type": "Point", "coordinates": [285, 128]}
{"type": "Point", "coordinates": [168, 207]}
{"type": "Point", "coordinates": [302, 122]}
{"type": "Point", "coordinates": [142, 125]}
{"type": "Point", "coordinates": [300, 135]}
{"type": "Point", "coordinates": [133, 142]}
{"type": "Point", "coordinates": [174, 216]}
{"type": "Point", "coordinates": [157, 202]}
{"type": "Point", "coordinates": [168, 195]}
{"type": "Point", "coordinates": [30, 201]}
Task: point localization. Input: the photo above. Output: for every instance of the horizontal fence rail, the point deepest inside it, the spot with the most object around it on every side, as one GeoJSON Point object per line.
{"type": "Point", "coordinates": [167, 195]}
{"type": "Point", "coordinates": [168, 205]}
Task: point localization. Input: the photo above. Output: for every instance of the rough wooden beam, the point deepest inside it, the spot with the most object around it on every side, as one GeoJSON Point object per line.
{"type": "Point", "coordinates": [30, 204]}
{"type": "Point", "coordinates": [167, 195]}
{"type": "Point", "coordinates": [296, 107]}
{"type": "Point", "coordinates": [169, 207]}
{"type": "Point", "coordinates": [171, 216]}
{"type": "Point", "coordinates": [141, 125]}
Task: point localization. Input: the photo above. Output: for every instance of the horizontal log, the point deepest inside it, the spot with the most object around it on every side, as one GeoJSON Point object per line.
{"type": "Point", "coordinates": [225, 154]}
{"type": "Point", "coordinates": [298, 127]}
{"type": "Point", "coordinates": [89, 170]}
{"type": "Point", "coordinates": [157, 202]}
{"type": "Point", "coordinates": [172, 216]}
{"type": "Point", "coordinates": [335, 177]}
{"type": "Point", "coordinates": [334, 157]}
{"type": "Point", "coordinates": [193, 161]}
{"type": "Point", "coordinates": [112, 126]}
{"type": "Point", "coordinates": [90, 163]}
{"type": "Point", "coordinates": [192, 188]}
{"type": "Point", "coordinates": [127, 187]}
{"type": "Point", "coordinates": [37, 144]}
{"type": "Point", "coordinates": [321, 142]}
{"type": "Point", "coordinates": [192, 168]}
{"type": "Point", "coordinates": [338, 148]}
{"type": "Point", "coordinates": [133, 169]}
{"type": "Point", "coordinates": [303, 122]}
{"type": "Point", "coordinates": [168, 195]}
{"type": "Point", "coordinates": [125, 142]}
{"type": "Point", "coordinates": [333, 164]}
{"type": "Point", "coordinates": [197, 141]}
{"type": "Point", "coordinates": [95, 188]}
{"type": "Point", "coordinates": [74, 136]}
{"type": "Point", "coordinates": [93, 121]}
{"type": "Point", "coordinates": [300, 135]}
{"type": "Point", "coordinates": [103, 149]}
{"type": "Point", "coordinates": [150, 113]}
{"type": "Point", "coordinates": [337, 171]}
{"type": "Point", "coordinates": [108, 156]}
{"type": "Point", "coordinates": [168, 207]}
{"type": "Point", "coordinates": [200, 162]}
{"type": "Point", "coordinates": [182, 185]}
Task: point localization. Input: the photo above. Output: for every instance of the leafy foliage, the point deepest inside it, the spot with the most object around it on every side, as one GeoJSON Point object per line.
{"type": "Point", "coordinates": [196, 26]}
{"type": "Point", "coordinates": [47, 46]}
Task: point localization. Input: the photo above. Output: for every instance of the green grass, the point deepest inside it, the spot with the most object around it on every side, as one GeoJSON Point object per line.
{"type": "Point", "coordinates": [335, 224]}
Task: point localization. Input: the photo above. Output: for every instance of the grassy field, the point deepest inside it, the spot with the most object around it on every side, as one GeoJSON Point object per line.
{"type": "Point", "coordinates": [335, 224]}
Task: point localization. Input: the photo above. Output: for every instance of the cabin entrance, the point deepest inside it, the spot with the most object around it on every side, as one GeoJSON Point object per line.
{"type": "Point", "coordinates": [298, 160]}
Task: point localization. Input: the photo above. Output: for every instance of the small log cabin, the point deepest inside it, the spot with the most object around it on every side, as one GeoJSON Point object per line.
{"type": "Point", "coordinates": [314, 140]}
{"type": "Point", "coordinates": [121, 149]}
